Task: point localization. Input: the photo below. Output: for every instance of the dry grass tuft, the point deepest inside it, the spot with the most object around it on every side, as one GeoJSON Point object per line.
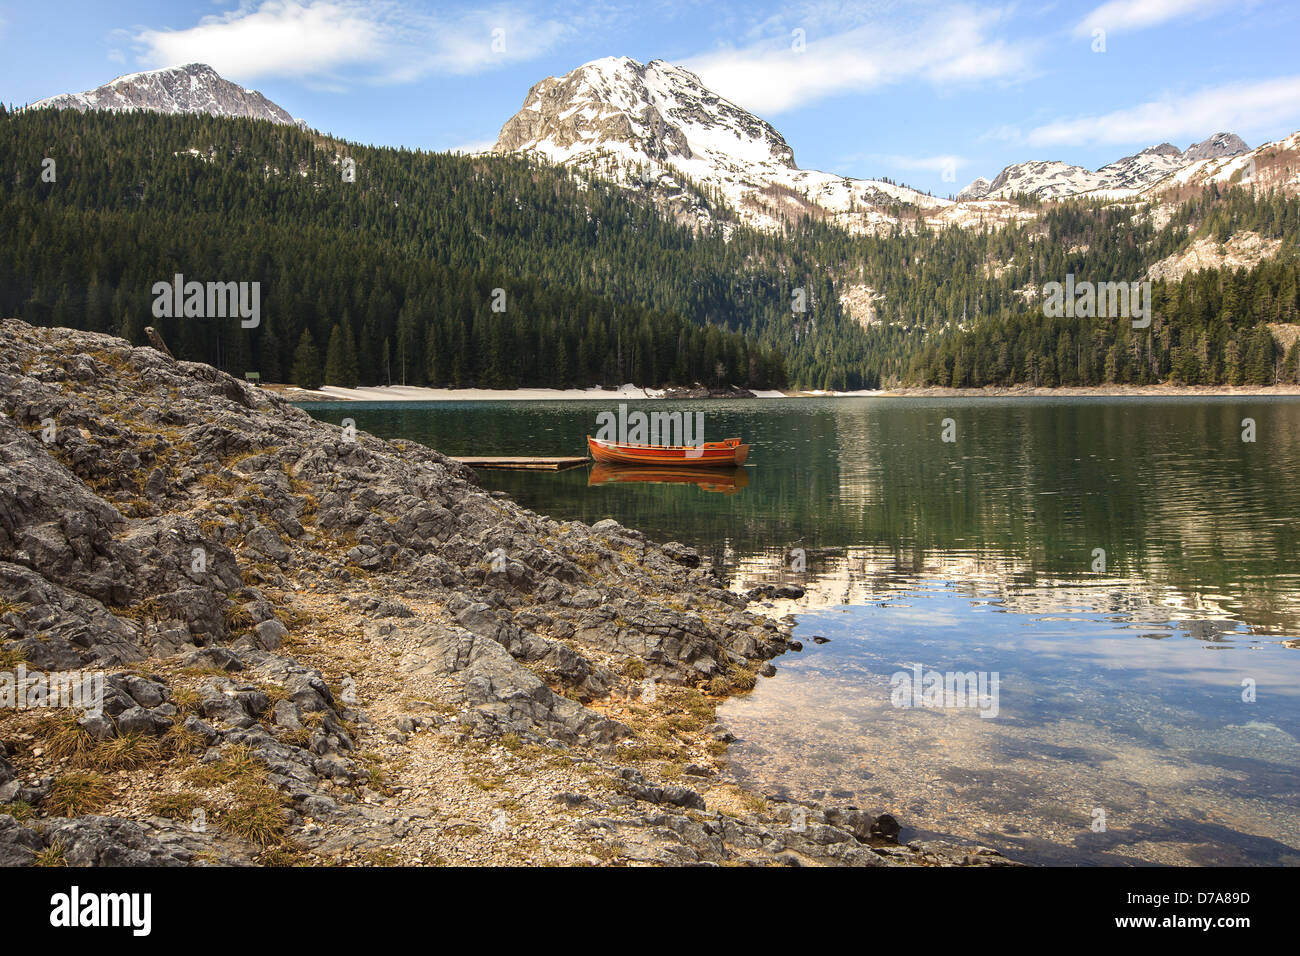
{"type": "Point", "coordinates": [78, 793]}
{"type": "Point", "coordinates": [257, 813]}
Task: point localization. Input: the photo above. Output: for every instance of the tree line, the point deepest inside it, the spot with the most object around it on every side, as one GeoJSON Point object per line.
{"type": "Point", "coordinates": [1212, 327]}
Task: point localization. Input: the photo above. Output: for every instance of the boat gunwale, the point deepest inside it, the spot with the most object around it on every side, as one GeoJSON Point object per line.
{"type": "Point", "coordinates": [724, 445]}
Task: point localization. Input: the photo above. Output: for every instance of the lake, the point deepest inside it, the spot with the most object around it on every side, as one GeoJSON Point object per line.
{"type": "Point", "coordinates": [1116, 580]}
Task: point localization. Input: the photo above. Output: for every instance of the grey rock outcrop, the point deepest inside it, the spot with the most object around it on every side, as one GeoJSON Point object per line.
{"type": "Point", "coordinates": [173, 527]}
{"type": "Point", "coordinates": [1216, 147]}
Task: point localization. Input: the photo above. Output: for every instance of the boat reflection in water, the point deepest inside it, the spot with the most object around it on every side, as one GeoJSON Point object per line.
{"type": "Point", "coordinates": [724, 480]}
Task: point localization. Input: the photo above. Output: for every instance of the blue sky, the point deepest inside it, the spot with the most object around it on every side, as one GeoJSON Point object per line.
{"type": "Point", "coordinates": [928, 93]}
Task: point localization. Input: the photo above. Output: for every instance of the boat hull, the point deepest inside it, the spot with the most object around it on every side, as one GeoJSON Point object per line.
{"type": "Point", "coordinates": [714, 454]}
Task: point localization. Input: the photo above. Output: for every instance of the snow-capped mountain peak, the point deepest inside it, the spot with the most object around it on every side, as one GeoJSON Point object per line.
{"type": "Point", "coordinates": [656, 126]}
{"type": "Point", "coordinates": [192, 88]}
{"type": "Point", "coordinates": [657, 110]}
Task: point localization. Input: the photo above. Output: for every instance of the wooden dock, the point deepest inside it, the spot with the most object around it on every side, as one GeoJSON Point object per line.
{"type": "Point", "coordinates": [517, 463]}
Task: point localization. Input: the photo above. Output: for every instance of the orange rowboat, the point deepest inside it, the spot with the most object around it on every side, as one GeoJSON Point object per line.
{"type": "Point", "coordinates": [726, 453]}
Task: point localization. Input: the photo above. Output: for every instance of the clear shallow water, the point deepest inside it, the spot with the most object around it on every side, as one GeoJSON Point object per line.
{"type": "Point", "coordinates": [1092, 713]}
{"type": "Point", "coordinates": [1120, 689]}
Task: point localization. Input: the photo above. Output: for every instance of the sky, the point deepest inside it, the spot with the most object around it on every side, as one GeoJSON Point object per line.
{"type": "Point", "coordinates": [931, 93]}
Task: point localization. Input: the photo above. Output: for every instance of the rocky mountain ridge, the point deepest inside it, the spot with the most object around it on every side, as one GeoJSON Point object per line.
{"type": "Point", "coordinates": [192, 88]}
{"type": "Point", "coordinates": [1131, 174]}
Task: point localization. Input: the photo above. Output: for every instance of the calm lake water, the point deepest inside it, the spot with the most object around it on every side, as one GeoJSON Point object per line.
{"type": "Point", "coordinates": [1128, 569]}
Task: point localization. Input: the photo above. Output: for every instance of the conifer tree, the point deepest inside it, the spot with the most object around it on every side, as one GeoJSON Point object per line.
{"type": "Point", "coordinates": [336, 372]}
{"type": "Point", "coordinates": [268, 350]}
{"type": "Point", "coordinates": [351, 373]}
{"type": "Point", "coordinates": [306, 363]}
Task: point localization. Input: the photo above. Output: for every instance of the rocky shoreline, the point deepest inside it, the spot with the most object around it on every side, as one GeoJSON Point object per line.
{"type": "Point", "coordinates": [319, 648]}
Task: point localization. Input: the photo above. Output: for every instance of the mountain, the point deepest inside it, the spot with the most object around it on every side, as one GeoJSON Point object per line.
{"type": "Point", "coordinates": [1143, 169]}
{"type": "Point", "coordinates": [193, 88]}
{"type": "Point", "coordinates": [1125, 177]}
{"type": "Point", "coordinates": [657, 128]}
{"type": "Point", "coordinates": [1048, 179]}
{"type": "Point", "coordinates": [1216, 147]}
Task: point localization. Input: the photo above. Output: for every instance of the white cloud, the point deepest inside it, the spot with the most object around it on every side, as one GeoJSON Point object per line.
{"type": "Point", "coordinates": [472, 148]}
{"type": "Point", "coordinates": [858, 164]}
{"type": "Point", "coordinates": [934, 164]}
{"type": "Point", "coordinates": [949, 46]}
{"type": "Point", "coordinates": [1002, 132]}
{"type": "Point", "coordinates": [1239, 107]}
{"type": "Point", "coordinates": [1119, 15]}
{"type": "Point", "coordinates": [328, 41]}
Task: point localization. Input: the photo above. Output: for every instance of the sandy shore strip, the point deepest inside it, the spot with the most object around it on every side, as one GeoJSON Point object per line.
{"type": "Point", "coordinates": [410, 393]}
